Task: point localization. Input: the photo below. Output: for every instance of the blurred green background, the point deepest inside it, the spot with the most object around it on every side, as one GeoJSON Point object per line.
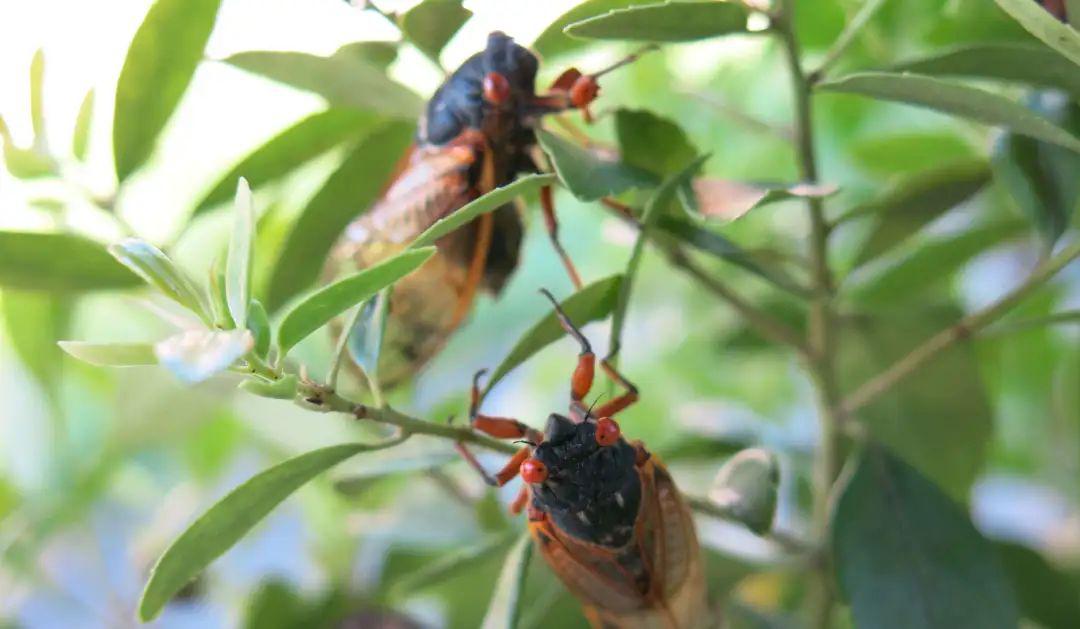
{"type": "Point", "coordinates": [100, 469]}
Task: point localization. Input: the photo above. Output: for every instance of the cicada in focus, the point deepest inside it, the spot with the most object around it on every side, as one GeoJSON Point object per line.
{"type": "Point", "coordinates": [477, 134]}
{"type": "Point", "coordinates": [602, 510]}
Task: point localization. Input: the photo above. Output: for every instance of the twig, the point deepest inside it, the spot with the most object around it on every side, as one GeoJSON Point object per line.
{"type": "Point", "coordinates": [966, 327]}
{"type": "Point", "coordinates": [785, 540]}
{"type": "Point", "coordinates": [822, 598]}
{"type": "Point", "coordinates": [865, 12]}
{"type": "Point", "coordinates": [742, 118]}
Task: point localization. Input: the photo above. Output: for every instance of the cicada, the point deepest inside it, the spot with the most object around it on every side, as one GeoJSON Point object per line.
{"type": "Point", "coordinates": [602, 510]}
{"type": "Point", "coordinates": [477, 134]}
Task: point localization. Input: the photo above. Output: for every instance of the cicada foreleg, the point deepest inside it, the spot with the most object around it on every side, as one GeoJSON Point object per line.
{"type": "Point", "coordinates": [551, 223]}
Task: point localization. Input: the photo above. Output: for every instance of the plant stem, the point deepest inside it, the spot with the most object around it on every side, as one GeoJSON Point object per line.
{"type": "Point", "coordinates": [966, 327]}
{"type": "Point", "coordinates": [820, 341]}
{"type": "Point", "coordinates": [862, 16]}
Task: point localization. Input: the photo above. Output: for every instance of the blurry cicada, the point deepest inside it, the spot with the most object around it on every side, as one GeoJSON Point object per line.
{"type": "Point", "coordinates": [603, 511]}
{"type": "Point", "coordinates": [476, 135]}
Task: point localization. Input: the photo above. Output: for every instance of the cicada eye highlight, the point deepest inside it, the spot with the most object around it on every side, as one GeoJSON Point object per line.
{"type": "Point", "coordinates": [533, 471]}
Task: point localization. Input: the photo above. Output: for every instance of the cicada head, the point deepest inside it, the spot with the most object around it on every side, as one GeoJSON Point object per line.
{"type": "Point", "coordinates": [591, 489]}
{"type": "Point", "coordinates": [488, 93]}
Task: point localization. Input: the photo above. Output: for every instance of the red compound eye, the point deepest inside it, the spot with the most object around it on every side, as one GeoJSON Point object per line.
{"type": "Point", "coordinates": [533, 471]}
{"type": "Point", "coordinates": [496, 88]}
{"type": "Point", "coordinates": [607, 431]}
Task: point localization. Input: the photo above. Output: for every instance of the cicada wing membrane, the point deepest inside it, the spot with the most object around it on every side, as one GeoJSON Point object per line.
{"type": "Point", "coordinates": [656, 582]}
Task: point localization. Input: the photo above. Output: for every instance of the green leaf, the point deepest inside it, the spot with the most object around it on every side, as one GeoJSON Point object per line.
{"type": "Point", "coordinates": [238, 262]}
{"type": "Point", "coordinates": [354, 186]}
{"type": "Point", "coordinates": [667, 22]}
{"type": "Point", "coordinates": [1021, 63]}
{"type": "Point", "coordinates": [915, 202]}
{"type": "Point", "coordinates": [940, 419]}
{"type": "Point", "coordinates": [230, 519]}
{"type": "Point", "coordinates": [709, 241]}
{"type": "Point", "coordinates": [505, 606]}
{"type": "Point", "coordinates": [588, 175]}
{"type": "Point", "coordinates": [283, 388]}
{"type": "Point", "coordinates": [259, 325]}
{"type": "Point", "coordinates": [365, 338]}
{"type": "Point", "coordinates": [1046, 595]}
{"type": "Point", "coordinates": [908, 556]}
{"type": "Point", "coordinates": [430, 24]}
{"type": "Point", "coordinates": [58, 262]}
{"type": "Point", "coordinates": [27, 163]}
{"type": "Point", "coordinates": [1037, 21]}
{"type": "Point", "coordinates": [196, 355]}
{"type": "Point", "coordinates": [447, 566]}
{"type": "Point", "coordinates": [953, 98]}
{"type": "Point", "coordinates": [746, 488]}
{"type": "Point", "coordinates": [376, 53]}
{"type": "Point", "coordinates": [157, 70]}
{"type": "Point", "coordinates": [37, 102]}
{"type": "Point", "coordinates": [487, 203]}
{"type": "Point", "coordinates": [343, 80]}
{"type": "Point", "coordinates": [330, 301]}
{"type": "Point", "coordinates": [157, 269]}
{"type": "Point", "coordinates": [219, 303]}
{"type": "Point", "coordinates": [933, 263]}
{"type": "Point", "coordinates": [657, 205]}
{"type": "Point", "coordinates": [80, 138]}
{"type": "Point", "coordinates": [652, 143]}
{"type": "Point", "coordinates": [290, 149]}
{"type": "Point", "coordinates": [1040, 177]}
{"type": "Point", "coordinates": [592, 303]}
{"type": "Point", "coordinates": [553, 41]}
{"type": "Point", "coordinates": [906, 152]}
{"type": "Point", "coordinates": [35, 322]}
{"type": "Point", "coordinates": [111, 354]}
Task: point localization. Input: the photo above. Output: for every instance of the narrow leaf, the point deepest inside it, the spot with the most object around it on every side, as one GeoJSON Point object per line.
{"type": "Point", "coordinates": [157, 70]}
{"type": "Point", "coordinates": [709, 241]}
{"type": "Point", "coordinates": [259, 325]}
{"type": "Point", "coordinates": [111, 354]}
{"type": "Point", "coordinates": [908, 556]}
{"type": "Point", "coordinates": [906, 152]}
{"type": "Point", "coordinates": [430, 24]}
{"type": "Point", "coordinates": [667, 22]}
{"type": "Point", "coordinates": [728, 200]}
{"type": "Point", "coordinates": [915, 202]}
{"type": "Point", "coordinates": [933, 263]}
{"type": "Point", "coordinates": [80, 137]}
{"type": "Point", "coordinates": [487, 203]}
{"type": "Point", "coordinates": [1019, 63]}
{"type": "Point", "coordinates": [27, 163]}
{"type": "Point", "coordinates": [588, 175]}
{"type": "Point", "coordinates": [447, 566]}
{"type": "Point", "coordinates": [364, 342]}
{"type": "Point", "coordinates": [230, 519]}
{"type": "Point", "coordinates": [746, 488]}
{"type": "Point", "coordinates": [1042, 178]}
{"type": "Point", "coordinates": [352, 188]}
{"type": "Point", "coordinates": [658, 205]}
{"type": "Point", "coordinates": [592, 303]}
{"type": "Point", "coordinates": [553, 41]}
{"type": "Point", "coordinates": [195, 355]}
{"type": "Point", "coordinates": [157, 269]}
{"type": "Point", "coordinates": [330, 301]}
{"type": "Point", "coordinates": [1037, 21]}
{"type": "Point", "coordinates": [290, 149]}
{"type": "Point", "coordinates": [58, 262]}
{"type": "Point", "coordinates": [238, 263]}
{"type": "Point", "coordinates": [37, 102]}
{"type": "Point", "coordinates": [956, 99]}
{"type": "Point", "coordinates": [343, 80]}
{"type": "Point", "coordinates": [379, 54]}
{"type": "Point", "coordinates": [505, 606]}
{"type": "Point", "coordinates": [652, 143]}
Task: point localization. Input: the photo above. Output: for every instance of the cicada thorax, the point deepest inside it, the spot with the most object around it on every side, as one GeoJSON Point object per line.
{"type": "Point", "coordinates": [619, 534]}
{"type": "Point", "coordinates": [465, 147]}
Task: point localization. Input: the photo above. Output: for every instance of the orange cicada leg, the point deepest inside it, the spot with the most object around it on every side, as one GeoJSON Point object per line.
{"type": "Point", "coordinates": [551, 223]}
{"type": "Point", "coordinates": [500, 428]}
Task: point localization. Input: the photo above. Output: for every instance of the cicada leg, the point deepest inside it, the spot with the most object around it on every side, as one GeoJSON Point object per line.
{"type": "Point", "coordinates": [500, 428]}
{"type": "Point", "coordinates": [547, 204]}
{"type": "Point", "coordinates": [476, 269]}
{"type": "Point", "coordinates": [584, 374]}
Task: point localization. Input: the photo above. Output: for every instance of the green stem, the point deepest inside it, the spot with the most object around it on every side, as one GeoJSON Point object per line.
{"type": "Point", "coordinates": [966, 327]}
{"type": "Point", "coordinates": [821, 342]}
{"type": "Point", "coordinates": [840, 46]}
